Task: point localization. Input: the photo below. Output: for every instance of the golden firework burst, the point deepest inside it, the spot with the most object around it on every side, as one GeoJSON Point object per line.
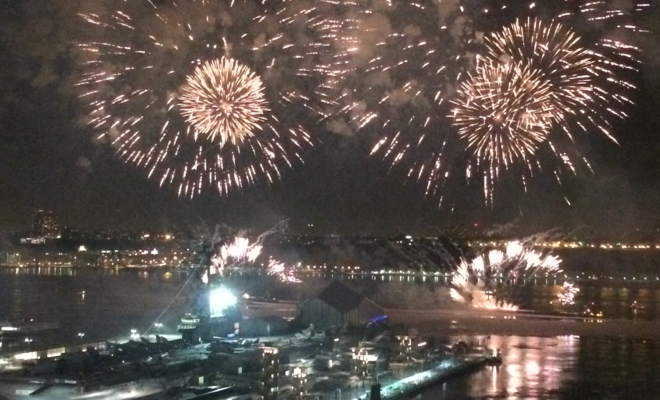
{"type": "Point", "coordinates": [224, 100]}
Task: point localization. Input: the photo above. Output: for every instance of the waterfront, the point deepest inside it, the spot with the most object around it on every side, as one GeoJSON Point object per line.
{"type": "Point", "coordinates": [565, 367]}
{"type": "Point", "coordinates": [110, 302]}
{"type": "Point", "coordinates": [539, 363]}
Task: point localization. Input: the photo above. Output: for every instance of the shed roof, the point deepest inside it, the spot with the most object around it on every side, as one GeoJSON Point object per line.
{"type": "Point", "coordinates": [341, 297]}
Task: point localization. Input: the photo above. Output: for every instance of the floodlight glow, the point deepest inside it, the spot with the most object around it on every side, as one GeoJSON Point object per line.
{"type": "Point", "coordinates": [219, 300]}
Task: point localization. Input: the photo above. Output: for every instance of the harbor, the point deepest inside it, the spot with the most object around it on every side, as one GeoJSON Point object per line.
{"type": "Point", "coordinates": [336, 345]}
{"type": "Point", "coordinates": [196, 371]}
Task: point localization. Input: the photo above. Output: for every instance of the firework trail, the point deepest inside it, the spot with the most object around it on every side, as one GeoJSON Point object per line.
{"type": "Point", "coordinates": [202, 93]}
{"type": "Point", "coordinates": [490, 279]}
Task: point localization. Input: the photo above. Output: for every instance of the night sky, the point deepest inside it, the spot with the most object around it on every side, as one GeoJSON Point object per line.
{"type": "Point", "coordinates": [48, 160]}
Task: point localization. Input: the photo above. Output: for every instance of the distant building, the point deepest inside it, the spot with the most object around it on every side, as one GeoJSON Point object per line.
{"type": "Point", "coordinates": [340, 306]}
{"type": "Point", "coordinates": [46, 225]}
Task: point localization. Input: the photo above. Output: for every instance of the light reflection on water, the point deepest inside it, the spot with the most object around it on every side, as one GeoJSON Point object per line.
{"type": "Point", "coordinates": [567, 367]}
{"type": "Point", "coordinates": [614, 299]}
{"type": "Point", "coordinates": [103, 303]}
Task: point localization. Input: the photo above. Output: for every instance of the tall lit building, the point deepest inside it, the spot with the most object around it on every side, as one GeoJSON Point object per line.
{"type": "Point", "coordinates": [268, 383]}
{"type": "Point", "coordinates": [46, 225]}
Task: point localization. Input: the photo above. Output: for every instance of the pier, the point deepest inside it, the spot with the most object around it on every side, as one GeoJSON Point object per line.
{"type": "Point", "coordinates": [421, 381]}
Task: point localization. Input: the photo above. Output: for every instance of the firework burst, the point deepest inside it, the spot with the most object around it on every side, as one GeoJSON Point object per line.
{"type": "Point", "coordinates": [576, 75]}
{"type": "Point", "coordinates": [200, 93]}
{"type": "Point", "coordinates": [535, 77]}
{"type": "Point", "coordinates": [581, 56]}
{"type": "Point", "coordinates": [224, 100]}
{"type": "Point", "coordinates": [503, 111]}
{"type": "Point", "coordinates": [490, 279]}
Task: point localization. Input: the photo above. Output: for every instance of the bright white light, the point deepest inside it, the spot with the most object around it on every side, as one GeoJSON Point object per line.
{"type": "Point", "coordinates": [82, 248]}
{"type": "Point", "coordinates": [9, 328]}
{"type": "Point", "coordinates": [219, 299]}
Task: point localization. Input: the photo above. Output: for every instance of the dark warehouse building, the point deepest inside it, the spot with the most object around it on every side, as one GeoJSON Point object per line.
{"type": "Point", "coordinates": [340, 306]}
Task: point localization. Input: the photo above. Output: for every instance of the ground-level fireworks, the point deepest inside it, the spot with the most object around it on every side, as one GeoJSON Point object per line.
{"type": "Point", "coordinates": [242, 253]}
{"type": "Point", "coordinates": [567, 293]}
{"type": "Point", "coordinates": [490, 279]}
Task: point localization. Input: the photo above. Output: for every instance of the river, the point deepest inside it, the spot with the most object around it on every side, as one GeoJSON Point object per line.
{"type": "Point", "coordinates": [108, 303]}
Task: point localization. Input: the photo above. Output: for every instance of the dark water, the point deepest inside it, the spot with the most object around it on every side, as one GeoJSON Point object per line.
{"type": "Point", "coordinates": [99, 303]}
{"type": "Point", "coordinates": [108, 303]}
{"type": "Point", "coordinates": [569, 367]}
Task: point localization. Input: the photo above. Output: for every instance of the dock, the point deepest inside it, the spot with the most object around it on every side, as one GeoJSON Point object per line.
{"type": "Point", "coordinates": [421, 381]}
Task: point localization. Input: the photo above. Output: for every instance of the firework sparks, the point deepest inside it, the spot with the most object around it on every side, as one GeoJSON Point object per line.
{"type": "Point", "coordinates": [202, 94]}
{"type": "Point", "coordinates": [391, 73]}
{"type": "Point", "coordinates": [489, 280]}
{"type": "Point", "coordinates": [235, 255]}
{"type": "Point", "coordinates": [572, 72]}
{"type": "Point", "coordinates": [283, 273]}
{"type": "Point", "coordinates": [567, 294]}
{"type": "Point", "coordinates": [578, 55]}
{"type": "Point", "coordinates": [536, 76]}
{"type": "Point", "coordinates": [240, 253]}
{"type": "Point", "coordinates": [503, 113]}
{"type": "Point", "coordinates": [224, 100]}
{"type": "Point", "coordinates": [395, 66]}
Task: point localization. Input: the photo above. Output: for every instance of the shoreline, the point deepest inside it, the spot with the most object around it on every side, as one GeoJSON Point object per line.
{"type": "Point", "coordinates": [493, 322]}
{"type": "Point", "coordinates": [465, 321]}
